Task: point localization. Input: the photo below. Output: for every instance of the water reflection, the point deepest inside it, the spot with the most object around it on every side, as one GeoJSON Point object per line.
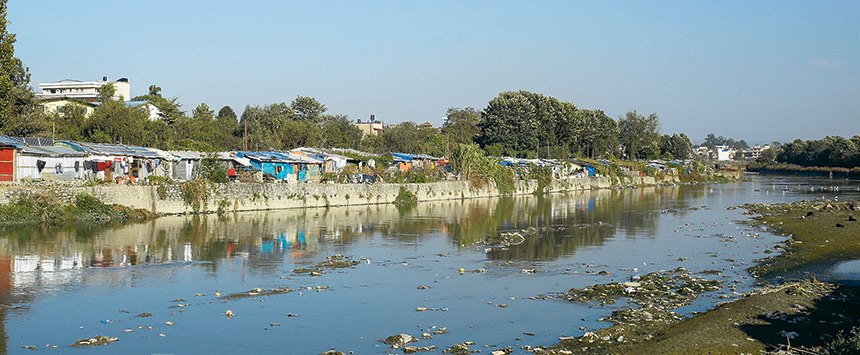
{"type": "Point", "coordinates": [36, 261]}
{"type": "Point", "coordinates": [566, 222]}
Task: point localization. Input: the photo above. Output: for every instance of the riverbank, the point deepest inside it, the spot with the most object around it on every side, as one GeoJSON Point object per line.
{"type": "Point", "coordinates": [811, 314]}
{"type": "Point", "coordinates": [199, 196]}
{"type": "Point", "coordinates": [791, 169]}
{"type": "Point", "coordinates": [46, 208]}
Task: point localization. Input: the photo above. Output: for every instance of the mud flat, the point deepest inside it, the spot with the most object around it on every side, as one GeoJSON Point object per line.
{"type": "Point", "coordinates": [801, 316]}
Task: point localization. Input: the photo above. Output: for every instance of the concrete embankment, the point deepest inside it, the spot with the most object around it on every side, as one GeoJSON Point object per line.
{"type": "Point", "coordinates": [234, 197]}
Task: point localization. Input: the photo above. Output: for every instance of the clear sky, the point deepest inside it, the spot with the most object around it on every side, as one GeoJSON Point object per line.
{"type": "Point", "coordinates": [754, 70]}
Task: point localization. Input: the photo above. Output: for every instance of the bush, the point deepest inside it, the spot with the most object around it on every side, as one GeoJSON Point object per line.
{"type": "Point", "coordinates": [87, 203]}
{"type": "Point", "coordinates": [195, 193]}
{"type": "Point", "coordinates": [211, 169]}
{"type": "Point", "coordinates": [405, 198]}
{"type": "Point", "coordinates": [846, 343]}
{"type": "Point", "coordinates": [41, 207]}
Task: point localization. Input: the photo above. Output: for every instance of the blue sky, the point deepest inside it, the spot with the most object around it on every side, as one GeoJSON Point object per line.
{"type": "Point", "coordinates": [754, 70]}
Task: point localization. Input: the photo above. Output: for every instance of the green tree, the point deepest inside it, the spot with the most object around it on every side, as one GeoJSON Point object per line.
{"type": "Point", "coordinates": [307, 109]}
{"type": "Point", "coordinates": [226, 114]}
{"type": "Point", "coordinates": [203, 112]}
{"type": "Point", "coordinates": [267, 125]}
{"type": "Point", "coordinates": [338, 132]}
{"type": "Point", "coordinates": [676, 146]}
{"type": "Point", "coordinates": [171, 108]}
{"type": "Point", "coordinates": [114, 122]}
{"type": "Point", "coordinates": [19, 111]}
{"type": "Point", "coordinates": [106, 92]}
{"type": "Point", "coordinates": [639, 135]}
{"type": "Point", "coordinates": [461, 125]}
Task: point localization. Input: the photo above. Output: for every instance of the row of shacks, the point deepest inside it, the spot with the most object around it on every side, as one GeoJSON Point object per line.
{"type": "Point", "coordinates": [24, 159]}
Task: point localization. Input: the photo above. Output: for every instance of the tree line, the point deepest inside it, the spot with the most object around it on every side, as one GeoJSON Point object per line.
{"type": "Point", "coordinates": [516, 123]}
{"type": "Point", "coordinates": [830, 151]}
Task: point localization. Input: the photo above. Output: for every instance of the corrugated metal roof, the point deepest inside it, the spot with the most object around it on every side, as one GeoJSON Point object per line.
{"type": "Point", "coordinates": [232, 156]}
{"type": "Point", "coordinates": [187, 155]}
{"type": "Point", "coordinates": [52, 151]}
{"type": "Point", "coordinates": [9, 141]}
{"type": "Point", "coordinates": [36, 141]}
{"type": "Point", "coordinates": [112, 149]}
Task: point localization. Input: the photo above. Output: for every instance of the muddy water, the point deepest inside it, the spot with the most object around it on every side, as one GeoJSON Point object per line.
{"type": "Point", "coordinates": [58, 285]}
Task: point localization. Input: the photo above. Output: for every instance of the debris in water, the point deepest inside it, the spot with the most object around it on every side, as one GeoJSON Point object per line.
{"type": "Point", "coordinates": [229, 314]}
{"type": "Point", "coordinates": [97, 340]}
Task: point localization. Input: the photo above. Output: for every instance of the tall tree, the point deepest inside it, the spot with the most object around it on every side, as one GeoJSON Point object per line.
{"type": "Point", "coordinates": [203, 112]}
{"type": "Point", "coordinates": [18, 106]}
{"type": "Point", "coordinates": [106, 92]}
{"type": "Point", "coordinates": [307, 109]}
{"type": "Point", "coordinates": [461, 125]}
{"type": "Point", "coordinates": [640, 135]}
{"type": "Point", "coordinates": [338, 132]}
{"type": "Point", "coordinates": [676, 146]}
{"type": "Point", "coordinates": [171, 108]}
{"type": "Point", "coordinates": [226, 114]}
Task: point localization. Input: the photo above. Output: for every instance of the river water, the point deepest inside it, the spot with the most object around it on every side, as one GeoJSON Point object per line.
{"type": "Point", "coordinates": [61, 284]}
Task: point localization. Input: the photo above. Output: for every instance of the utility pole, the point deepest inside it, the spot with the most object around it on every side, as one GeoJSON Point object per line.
{"type": "Point", "coordinates": [245, 137]}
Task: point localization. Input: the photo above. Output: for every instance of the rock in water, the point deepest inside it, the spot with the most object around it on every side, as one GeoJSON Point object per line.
{"type": "Point", "coordinates": [399, 340]}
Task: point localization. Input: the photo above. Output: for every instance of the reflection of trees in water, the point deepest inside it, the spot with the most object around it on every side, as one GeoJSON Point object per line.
{"type": "Point", "coordinates": [569, 221]}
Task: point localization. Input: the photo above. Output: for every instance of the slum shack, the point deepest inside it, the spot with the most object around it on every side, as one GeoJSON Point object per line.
{"type": "Point", "coordinates": [37, 159]}
{"type": "Point", "coordinates": [406, 162]}
{"type": "Point", "coordinates": [119, 163]}
{"type": "Point", "coordinates": [331, 162]}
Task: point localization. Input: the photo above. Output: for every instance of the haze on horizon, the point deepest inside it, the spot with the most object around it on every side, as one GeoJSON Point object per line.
{"type": "Point", "coordinates": [759, 71]}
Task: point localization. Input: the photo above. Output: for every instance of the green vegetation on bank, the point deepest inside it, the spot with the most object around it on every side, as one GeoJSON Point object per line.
{"type": "Point", "coordinates": [46, 208]}
{"type": "Point", "coordinates": [405, 198]}
{"type": "Point", "coordinates": [792, 168]}
{"type": "Point", "coordinates": [803, 317]}
{"type": "Point", "coordinates": [820, 232]}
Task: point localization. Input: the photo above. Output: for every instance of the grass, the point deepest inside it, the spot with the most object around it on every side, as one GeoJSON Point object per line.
{"type": "Point", "coordinates": [814, 239]}
{"type": "Point", "coordinates": [47, 209]}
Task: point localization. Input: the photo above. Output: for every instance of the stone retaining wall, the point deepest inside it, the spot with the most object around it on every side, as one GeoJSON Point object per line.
{"type": "Point", "coordinates": [168, 199]}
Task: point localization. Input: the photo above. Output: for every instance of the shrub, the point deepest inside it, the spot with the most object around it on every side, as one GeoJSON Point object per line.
{"type": "Point", "coordinates": [405, 198]}
{"type": "Point", "coordinates": [195, 193]}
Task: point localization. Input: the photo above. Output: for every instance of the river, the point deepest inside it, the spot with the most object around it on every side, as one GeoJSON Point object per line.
{"type": "Point", "coordinates": [61, 284]}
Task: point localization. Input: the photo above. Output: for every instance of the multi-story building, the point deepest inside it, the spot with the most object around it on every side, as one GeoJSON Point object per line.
{"type": "Point", "coordinates": [87, 91]}
{"type": "Point", "coordinates": [370, 128]}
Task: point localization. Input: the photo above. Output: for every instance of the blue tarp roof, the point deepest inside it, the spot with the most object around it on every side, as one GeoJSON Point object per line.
{"type": "Point", "coordinates": [406, 157]}
{"type": "Point", "coordinates": [9, 141]}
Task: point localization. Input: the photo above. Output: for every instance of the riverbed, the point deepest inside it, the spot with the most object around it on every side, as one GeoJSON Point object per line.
{"type": "Point", "coordinates": [163, 286]}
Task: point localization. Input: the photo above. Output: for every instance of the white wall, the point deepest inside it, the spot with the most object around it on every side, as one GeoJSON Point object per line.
{"type": "Point", "coordinates": [27, 167]}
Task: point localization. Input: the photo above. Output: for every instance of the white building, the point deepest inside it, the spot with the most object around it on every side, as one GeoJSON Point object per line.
{"type": "Point", "coordinates": [83, 90]}
{"type": "Point", "coordinates": [153, 111]}
{"type": "Point", "coordinates": [724, 152]}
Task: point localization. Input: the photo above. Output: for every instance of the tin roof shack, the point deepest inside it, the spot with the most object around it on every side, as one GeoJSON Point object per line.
{"type": "Point", "coordinates": [273, 165]}
{"type": "Point", "coordinates": [234, 164]}
{"type": "Point", "coordinates": [50, 163]}
{"type": "Point", "coordinates": [120, 163]}
{"type": "Point", "coordinates": [41, 160]}
{"type": "Point", "coordinates": [186, 164]}
{"type": "Point", "coordinates": [309, 169]}
{"type": "Point", "coordinates": [284, 166]}
{"type": "Point", "coordinates": [663, 167]}
{"type": "Point", "coordinates": [406, 162]}
{"type": "Point", "coordinates": [332, 162]}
